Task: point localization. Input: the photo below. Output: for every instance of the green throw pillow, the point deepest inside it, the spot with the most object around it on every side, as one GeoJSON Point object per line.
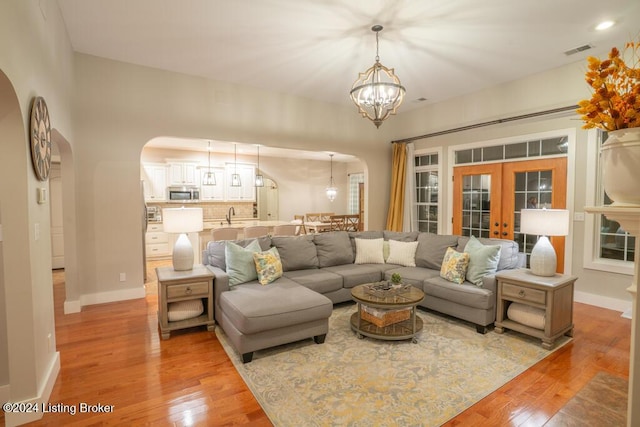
{"type": "Point", "coordinates": [240, 265]}
{"type": "Point", "coordinates": [268, 265]}
{"type": "Point", "coordinates": [454, 266]}
{"type": "Point", "coordinates": [483, 260]}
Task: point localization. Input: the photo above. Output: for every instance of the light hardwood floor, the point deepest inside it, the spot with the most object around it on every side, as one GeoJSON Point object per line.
{"type": "Point", "coordinates": [111, 354]}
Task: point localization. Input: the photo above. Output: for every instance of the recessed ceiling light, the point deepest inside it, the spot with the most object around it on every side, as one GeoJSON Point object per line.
{"type": "Point", "coordinates": [604, 25]}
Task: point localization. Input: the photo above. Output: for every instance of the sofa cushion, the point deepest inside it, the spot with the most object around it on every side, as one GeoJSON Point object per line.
{"type": "Point", "coordinates": [319, 280]}
{"type": "Point", "coordinates": [412, 275]}
{"type": "Point", "coordinates": [358, 274]}
{"type": "Point", "coordinates": [296, 252]}
{"type": "Point", "coordinates": [454, 266]}
{"type": "Point", "coordinates": [333, 248]}
{"type": "Point", "coordinates": [369, 234]}
{"type": "Point", "coordinates": [402, 253]}
{"type": "Point", "coordinates": [483, 260]}
{"type": "Point", "coordinates": [403, 236]}
{"type": "Point", "coordinates": [431, 249]}
{"type": "Point", "coordinates": [509, 256]}
{"type": "Point", "coordinates": [369, 251]}
{"type": "Point", "coordinates": [214, 254]}
{"type": "Point", "coordinates": [253, 308]}
{"type": "Point", "coordinates": [240, 264]}
{"type": "Point", "coordinates": [464, 294]}
{"type": "Point", "coordinates": [268, 266]}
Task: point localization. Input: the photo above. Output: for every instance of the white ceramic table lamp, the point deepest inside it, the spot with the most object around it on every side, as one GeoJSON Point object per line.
{"type": "Point", "coordinates": [543, 223]}
{"type": "Point", "coordinates": [182, 220]}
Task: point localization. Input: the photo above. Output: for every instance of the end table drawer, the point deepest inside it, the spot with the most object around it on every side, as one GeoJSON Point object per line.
{"type": "Point", "coordinates": [527, 294]}
{"type": "Point", "coordinates": [190, 290]}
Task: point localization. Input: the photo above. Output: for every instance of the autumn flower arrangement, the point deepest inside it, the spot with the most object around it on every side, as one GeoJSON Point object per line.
{"type": "Point", "coordinates": [615, 103]}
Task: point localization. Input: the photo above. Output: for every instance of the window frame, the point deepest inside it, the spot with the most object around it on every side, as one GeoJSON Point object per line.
{"type": "Point", "coordinates": [429, 168]}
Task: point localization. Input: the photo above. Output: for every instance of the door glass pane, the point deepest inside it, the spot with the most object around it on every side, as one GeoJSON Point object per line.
{"type": "Point", "coordinates": [533, 191]}
{"type": "Point", "coordinates": [476, 205]}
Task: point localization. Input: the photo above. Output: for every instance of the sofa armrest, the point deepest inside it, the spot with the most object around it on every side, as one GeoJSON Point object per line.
{"type": "Point", "coordinates": [489, 282]}
{"type": "Point", "coordinates": [220, 285]}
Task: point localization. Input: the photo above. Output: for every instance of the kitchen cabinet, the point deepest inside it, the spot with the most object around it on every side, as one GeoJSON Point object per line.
{"type": "Point", "coordinates": [182, 173]}
{"type": "Point", "coordinates": [212, 192]}
{"type": "Point", "coordinates": [157, 242]}
{"type": "Point", "coordinates": [154, 178]}
{"type": "Point", "coordinates": [247, 191]}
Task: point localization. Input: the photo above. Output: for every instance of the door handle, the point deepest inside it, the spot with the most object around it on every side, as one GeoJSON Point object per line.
{"type": "Point", "coordinates": [504, 233]}
{"type": "Point", "coordinates": [505, 225]}
{"type": "Point", "coordinates": [495, 233]}
{"type": "Point", "coordinates": [497, 224]}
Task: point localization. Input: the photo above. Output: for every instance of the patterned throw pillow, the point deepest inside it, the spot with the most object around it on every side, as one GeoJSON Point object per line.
{"type": "Point", "coordinates": [454, 266]}
{"type": "Point", "coordinates": [268, 265]}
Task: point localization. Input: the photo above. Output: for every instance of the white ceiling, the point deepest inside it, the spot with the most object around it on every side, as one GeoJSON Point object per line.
{"type": "Point", "coordinates": [315, 49]}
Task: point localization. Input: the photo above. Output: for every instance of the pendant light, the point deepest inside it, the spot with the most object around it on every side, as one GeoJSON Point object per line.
{"type": "Point", "coordinates": [259, 178]}
{"type": "Point", "coordinates": [331, 189]}
{"type": "Point", "coordinates": [209, 177]}
{"type": "Point", "coordinates": [235, 178]}
{"type": "Point", "coordinates": [377, 92]}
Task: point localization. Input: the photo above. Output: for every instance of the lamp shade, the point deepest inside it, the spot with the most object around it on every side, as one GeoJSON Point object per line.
{"type": "Point", "coordinates": [182, 220]}
{"type": "Point", "coordinates": [544, 222]}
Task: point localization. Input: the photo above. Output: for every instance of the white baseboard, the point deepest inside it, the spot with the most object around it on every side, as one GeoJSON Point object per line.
{"type": "Point", "coordinates": [615, 304]}
{"type": "Point", "coordinates": [75, 306]}
{"type": "Point", "coordinates": [15, 418]}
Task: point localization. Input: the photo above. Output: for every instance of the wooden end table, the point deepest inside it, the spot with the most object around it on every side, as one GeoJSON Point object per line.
{"type": "Point", "coordinates": [182, 286]}
{"type": "Point", "coordinates": [553, 295]}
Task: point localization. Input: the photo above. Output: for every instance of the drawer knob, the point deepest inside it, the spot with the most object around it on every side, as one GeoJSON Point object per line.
{"type": "Point", "coordinates": [188, 290]}
{"type": "Point", "coordinates": [521, 293]}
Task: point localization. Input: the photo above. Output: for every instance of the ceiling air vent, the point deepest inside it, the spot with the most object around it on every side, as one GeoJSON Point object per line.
{"type": "Point", "coordinates": [578, 49]}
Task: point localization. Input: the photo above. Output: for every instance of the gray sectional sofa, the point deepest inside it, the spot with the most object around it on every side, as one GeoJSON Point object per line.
{"type": "Point", "coordinates": [320, 270]}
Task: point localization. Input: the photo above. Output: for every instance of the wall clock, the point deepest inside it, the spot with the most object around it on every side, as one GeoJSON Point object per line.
{"type": "Point", "coordinates": [40, 128]}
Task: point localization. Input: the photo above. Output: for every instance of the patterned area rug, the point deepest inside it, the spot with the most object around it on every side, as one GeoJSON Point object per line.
{"type": "Point", "coordinates": [364, 382]}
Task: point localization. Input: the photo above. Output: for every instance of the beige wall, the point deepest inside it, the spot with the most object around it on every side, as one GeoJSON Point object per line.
{"type": "Point", "coordinates": [35, 60]}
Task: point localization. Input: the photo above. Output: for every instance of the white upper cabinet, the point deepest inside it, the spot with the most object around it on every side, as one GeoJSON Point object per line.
{"type": "Point", "coordinates": [212, 192]}
{"type": "Point", "coordinates": [154, 176]}
{"type": "Point", "coordinates": [183, 173]}
{"type": "Point", "coordinates": [247, 191]}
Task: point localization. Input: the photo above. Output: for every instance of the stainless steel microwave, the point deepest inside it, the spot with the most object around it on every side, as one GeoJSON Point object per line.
{"type": "Point", "coordinates": [183, 193]}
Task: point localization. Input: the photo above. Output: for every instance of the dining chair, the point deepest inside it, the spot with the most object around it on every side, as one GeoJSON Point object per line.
{"type": "Point", "coordinates": [286, 230]}
{"type": "Point", "coordinates": [299, 220]}
{"type": "Point", "coordinates": [255, 231]}
{"type": "Point", "coordinates": [326, 216]}
{"type": "Point", "coordinates": [313, 217]}
{"type": "Point", "coordinates": [224, 234]}
{"type": "Point", "coordinates": [336, 223]}
{"type": "Point", "coordinates": [352, 222]}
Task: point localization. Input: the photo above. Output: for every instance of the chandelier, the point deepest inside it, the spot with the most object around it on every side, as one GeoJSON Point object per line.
{"type": "Point", "coordinates": [259, 181]}
{"type": "Point", "coordinates": [235, 176]}
{"type": "Point", "coordinates": [331, 190]}
{"type": "Point", "coordinates": [209, 177]}
{"type": "Point", "coordinates": [377, 92]}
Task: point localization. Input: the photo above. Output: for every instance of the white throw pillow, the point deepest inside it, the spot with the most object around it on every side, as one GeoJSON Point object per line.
{"type": "Point", "coordinates": [369, 251]}
{"type": "Point", "coordinates": [402, 253]}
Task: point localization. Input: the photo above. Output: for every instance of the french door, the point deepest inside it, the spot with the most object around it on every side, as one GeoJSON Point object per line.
{"type": "Point", "coordinates": [487, 199]}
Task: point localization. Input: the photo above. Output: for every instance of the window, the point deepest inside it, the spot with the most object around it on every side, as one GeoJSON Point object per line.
{"type": "Point", "coordinates": [608, 247]}
{"type": "Point", "coordinates": [537, 148]}
{"type": "Point", "coordinates": [354, 197]}
{"type": "Point", "coordinates": [426, 167]}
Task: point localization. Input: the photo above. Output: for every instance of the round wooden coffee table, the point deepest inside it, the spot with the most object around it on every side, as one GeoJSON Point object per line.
{"type": "Point", "coordinates": [364, 295]}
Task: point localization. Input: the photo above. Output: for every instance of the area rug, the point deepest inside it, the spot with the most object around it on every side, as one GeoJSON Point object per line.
{"type": "Point", "coordinates": [365, 382]}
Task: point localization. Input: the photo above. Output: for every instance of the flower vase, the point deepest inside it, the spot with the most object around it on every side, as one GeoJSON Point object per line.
{"type": "Point", "coordinates": [621, 166]}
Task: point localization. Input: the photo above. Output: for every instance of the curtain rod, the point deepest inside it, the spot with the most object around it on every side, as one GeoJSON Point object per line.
{"type": "Point", "coordinates": [489, 123]}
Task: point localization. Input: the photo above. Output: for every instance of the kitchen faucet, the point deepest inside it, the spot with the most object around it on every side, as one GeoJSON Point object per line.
{"type": "Point", "coordinates": [232, 211]}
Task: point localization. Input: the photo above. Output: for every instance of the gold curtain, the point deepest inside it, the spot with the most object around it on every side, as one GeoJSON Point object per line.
{"type": "Point", "coordinates": [398, 183]}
